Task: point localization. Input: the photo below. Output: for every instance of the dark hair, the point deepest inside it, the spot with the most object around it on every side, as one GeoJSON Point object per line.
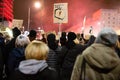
{"type": "Point", "coordinates": [51, 38]}
{"type": "Point", "coordinates": [70, 43]}
{"type": "Point", "coordinates": [16, 32]}
{"type": "Point", "coordinates": [71, 36]}
{"type": "Point", "coordinates": [32, 33]}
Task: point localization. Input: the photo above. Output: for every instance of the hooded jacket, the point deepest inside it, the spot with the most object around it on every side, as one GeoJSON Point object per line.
{"type": "Point", "coordinates": [34, 70]}
{"type": "Point", "coordinates": [102, 63]}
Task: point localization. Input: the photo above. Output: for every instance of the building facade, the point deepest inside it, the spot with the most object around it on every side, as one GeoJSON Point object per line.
{"type": "Point", "coordinates": [107, 18]}
{"type": "Point", "coordinates": [6, 13]}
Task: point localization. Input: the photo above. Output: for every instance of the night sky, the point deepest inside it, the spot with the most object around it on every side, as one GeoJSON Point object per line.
{"type": "Point", "coordinates": [77, 9]}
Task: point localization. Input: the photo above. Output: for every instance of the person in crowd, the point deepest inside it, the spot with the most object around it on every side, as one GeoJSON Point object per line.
{"type": "Point", "coordinates": [80, 37]}
{"type": "Point", "coordinates": [7, 37]}
{"type": "Point", "coordinates": [117, 48]}
{"type": "Point", "coordinates": [16, 32]}
{"type": "Point", "coordinates": [35, 66]}
{"type": "Point", "coordinates": [2, 44]}
{"type": "Point", "coordinates": [63, 39]}
{"type": "Point", "coordinates": [44, 38]}
{"type": "Point", "coordinates": [32, 35]}
{"type": "Point", "coordinates": [9, 46]}
{"type": "Point", "coordinates": [99, 61]}
{"type": "Point", "coordinates": [68, 54]}
{"type": "Point", "coordinates": [54, 51]}
{"type": "Point", "coordinates": [17, 54]}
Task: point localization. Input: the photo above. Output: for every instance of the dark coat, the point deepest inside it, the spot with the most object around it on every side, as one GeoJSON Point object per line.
{"type": "Point", "coordinates": [68, 56]}
{"type": "Point", "coordinates": [1, 56]}
{"type": "Point", "coordinates": [1, 64]}
{"type": "Point", "coordinates": [52, 57]}
{"type": "Point", "coordinates": [15, 56]}
{"type": "Point", "coordinates": [46, 74]}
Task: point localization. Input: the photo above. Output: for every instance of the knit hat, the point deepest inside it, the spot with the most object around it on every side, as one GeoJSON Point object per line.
{"type": "Point", "coordinates": [71, 36]}
{"type": "Point", "coordinates": [107, 36]}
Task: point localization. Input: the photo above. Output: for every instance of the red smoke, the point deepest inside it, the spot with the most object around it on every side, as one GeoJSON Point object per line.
{"type": "Point", "coordinates": [77, 9]}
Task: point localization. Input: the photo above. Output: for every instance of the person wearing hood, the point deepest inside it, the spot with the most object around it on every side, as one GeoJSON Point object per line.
{"type": "Point", "coordinates": [35, 66]}
{"type": "Point", "coordinates": [99, 61]}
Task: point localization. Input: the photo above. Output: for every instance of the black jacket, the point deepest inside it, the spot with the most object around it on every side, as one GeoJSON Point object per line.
{"type": "Point", "coordinates": [68, 56]}
{"type": "Point", "coordinates": [46, 74]}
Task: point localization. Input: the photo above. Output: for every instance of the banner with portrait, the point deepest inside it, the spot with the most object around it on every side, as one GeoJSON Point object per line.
{"type": "Point", "coordinates": [60, 14]}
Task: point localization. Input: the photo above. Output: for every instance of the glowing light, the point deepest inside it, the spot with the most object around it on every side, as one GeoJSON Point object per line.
{"type": "Point", "coordinates": [38, 28]}
{"type": "Point", "coordinates": [99, 23]}
{"type": "Point", "coordinates": [37, 4]}
{"type": "Point", "coordinates": [9, 31]}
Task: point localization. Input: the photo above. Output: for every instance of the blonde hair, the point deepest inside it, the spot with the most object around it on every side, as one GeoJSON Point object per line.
{"type": "Point", "coordinates": [36, 50]}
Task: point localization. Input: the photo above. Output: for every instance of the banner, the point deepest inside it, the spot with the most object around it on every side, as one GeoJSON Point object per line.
{"type": "Point", "coordinates": [17, 23]}
{"type": "Point", "coordinates": [60, 14]}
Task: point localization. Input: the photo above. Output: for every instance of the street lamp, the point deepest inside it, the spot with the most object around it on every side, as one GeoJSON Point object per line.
{"type": "Point", "coordinates": [36, 5]}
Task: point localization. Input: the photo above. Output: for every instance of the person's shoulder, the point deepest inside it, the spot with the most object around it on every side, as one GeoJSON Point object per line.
{"type": "Point", "coordinates": [58, 48]}
{"type": "Point", "coordinates": [16, 75]}
{"type": "Point", "coordinates": [50, 73]}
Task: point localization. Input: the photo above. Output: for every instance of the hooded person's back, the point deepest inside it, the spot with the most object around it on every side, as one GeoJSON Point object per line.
{"type": "Point", "coordinates": [100, 59]}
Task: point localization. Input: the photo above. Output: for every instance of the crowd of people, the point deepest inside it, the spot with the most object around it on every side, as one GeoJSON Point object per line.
{"type": "Point", "coordinates": [70, 57]}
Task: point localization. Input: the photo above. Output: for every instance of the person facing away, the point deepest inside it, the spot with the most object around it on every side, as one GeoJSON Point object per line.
{"type": "Point", "coordinates": [9, 46]}
{"type": "Point", "coordinates": [63, 39]}
{"type": "Point", "coordinates": [99, 61]}
{"type": "Point", "coordinates": [68, 54]}
{"type": "Point", "coordinates": [54, 51]}
{"type": "Point", "coordinates": [35, 66]}
{"type": "Point", "coordinates": [17, 54]}
{"type": "Point", "coordinates": [32, 35]}
{"type": "Point", "coordinates": [1, 55]}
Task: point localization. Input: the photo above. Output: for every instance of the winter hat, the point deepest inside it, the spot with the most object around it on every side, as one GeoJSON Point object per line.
{"type": "Point", "coordinates": [71, 36]}
{"type": "Point", "coordinates": [107, 36]}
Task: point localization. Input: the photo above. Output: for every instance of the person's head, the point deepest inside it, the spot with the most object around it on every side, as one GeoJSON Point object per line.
{"type": "Point", "coordinates": [71, 42]}
{"type": "Point", "coordinates": [36, 50]}
{"type": "Point", "coordinates": [16, 32]}
{"type": "Point", "coordinates": [107, 36]}
{"type": "Point", "coordinates": [22, 41]}
{"type": "Point", "coordinates": [71, 36]}
{"type": "Point", "coordinates": [32, 35]}
{"type": "Point", "coordinates": [63, 34]}
{"type": "Point", "coordinates": [51, 37]}
{"type": "Point", "coordinates": [51, 41]}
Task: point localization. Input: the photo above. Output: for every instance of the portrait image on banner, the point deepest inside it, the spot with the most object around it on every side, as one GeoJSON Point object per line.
{"type": "Point", "coordinates": [60, 14]}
